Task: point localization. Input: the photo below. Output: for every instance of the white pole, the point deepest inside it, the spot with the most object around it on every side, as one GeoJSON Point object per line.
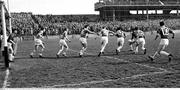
{"type": "Point", "coordinates": [4, 25]}
{"type": "Point", "coordinates": [6, 56]}
{"type": "Point", "coordinates": [10, 26]}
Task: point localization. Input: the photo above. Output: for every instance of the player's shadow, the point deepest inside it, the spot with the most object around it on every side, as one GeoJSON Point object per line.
{"type": "Point", "coordinates": [121, 53]}
{"type": "Point", "coordinates": [61, 57]}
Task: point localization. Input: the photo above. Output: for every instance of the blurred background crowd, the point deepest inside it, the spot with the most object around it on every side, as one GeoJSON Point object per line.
{"type": "Point", "coordinates": [29, 24]}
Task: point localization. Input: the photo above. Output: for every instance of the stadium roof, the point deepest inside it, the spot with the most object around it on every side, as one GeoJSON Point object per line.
{"type": "Point", "coordinates": [136, 7]}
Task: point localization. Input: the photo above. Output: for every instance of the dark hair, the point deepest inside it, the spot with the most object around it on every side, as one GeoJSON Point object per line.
{"type": "Point", "coordinates": [65, 29]}
{"type": "Point", "coordinates": [119, 28]}
{"type": "Point", "coordinates": [161, 23]}
{"type": "Point", "coordinates": [13, 30]}
{"type": "Point", "coordinates": [136, 28]}
{"type": "Point", "coordinates": [86, 26]}
{"type": "Point", "coordinates": [104, 27]}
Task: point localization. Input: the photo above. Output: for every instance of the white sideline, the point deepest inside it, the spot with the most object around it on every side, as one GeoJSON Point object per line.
{"type": "Point", "coordinates": [5, 83]}
{"type": "Point", "coordinates": [127, 61]}
{"type": "Point", "coordinates": [104, 81]}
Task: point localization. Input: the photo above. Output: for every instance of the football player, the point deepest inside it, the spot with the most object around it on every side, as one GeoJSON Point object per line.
{"type": "Point", "coordinates": [140, 41]}
{"type": "Point", "coordinates": [38, 43]}
{"type": "Point", "coordinates": [120, 39]}
{"type": "Point", "coordinates": [104, 39]}
{"type": "Point", "coordinates": [163, 33]}
{"type": "Point", "coordinates": [83, 39]}
{"type": "Point", "coordinates": [133, 39]}
{"type": "Point", "coordinates": [63, 44]}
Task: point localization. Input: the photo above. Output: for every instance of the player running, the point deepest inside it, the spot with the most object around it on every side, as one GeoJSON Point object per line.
{"type": "Point", "coordinates": [133, 39]}
{"type": "Point", "coordinates": [11, 43]}
{"type": "Point", "coordinates": [63, 44]}
{"type": "Point", "coordinates": [83, 39]}
{"type": "Point", "coordinates": [163, 32]}
{"type": "Point", "coordinates": [104, 39]}
{"type": "Point", "coordinates": [140, 41]}
{"type": "Point", "coordinates": [120, 39]}
{"type": "Point", "coordinates": [38, 43]}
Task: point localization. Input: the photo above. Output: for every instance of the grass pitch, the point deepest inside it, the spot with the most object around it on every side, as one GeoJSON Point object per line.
{"type": "Point", "coordinates": [108, 71]}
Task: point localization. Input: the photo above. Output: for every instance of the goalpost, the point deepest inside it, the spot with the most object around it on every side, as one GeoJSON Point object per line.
{"type": "Point", "coordinates": [4, 11]}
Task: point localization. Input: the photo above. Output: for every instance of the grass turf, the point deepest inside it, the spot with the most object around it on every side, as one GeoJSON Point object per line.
{"type": "Point", "coordinates": [49, 71]}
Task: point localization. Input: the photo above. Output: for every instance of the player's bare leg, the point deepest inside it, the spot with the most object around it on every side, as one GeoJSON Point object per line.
{"type": "Point", "coordinates": [131, 43]}
{"type": "Point", "coordinates": [65, 50]}
{"type": "Point", "coordinates": [60, 50]}
{"type": "Point", "coordinates": [131, 47]}
{"type": "Point", "coordinates": [142, 44]}
{"type": "Point", "coordinates": [11, 52]}
{"type": "Point", "coordinates": [143, 48]}
{"type": "Point", "coordinates": [41, 51]}
{"type": "Point", "coordinates": [103, 46]}
{"type": "Point", "coordinates": [84, 47]}
{"type": "Point", "coordinates": [34, 51]}
{"type": "Point", "coordinates": [120, 45]}
{"type": "Point", "coordinates": [136, 48]}
{"type": "Point", "coordinates": [161, 52]}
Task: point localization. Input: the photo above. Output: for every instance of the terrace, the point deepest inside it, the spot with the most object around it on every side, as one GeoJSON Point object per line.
{"type": "Point", "coordinates": [136, 3]}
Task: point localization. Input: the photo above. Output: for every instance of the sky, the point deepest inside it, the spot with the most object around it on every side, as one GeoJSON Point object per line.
{"type": "Point", "coordinates": [55, 7]}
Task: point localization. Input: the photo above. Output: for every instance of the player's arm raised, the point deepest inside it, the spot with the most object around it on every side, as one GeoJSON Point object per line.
{"type": "Point", "coordinates": [68, 39]}
{"type": "Point", "coordinates": [12, 42]}
{"type": "Point", "coordinates": [66, 36]}
{"type": "Point", "coordinates": [157, 35]}
{"type": "Point", "coordinates": [170, 31]}
{"type": "Point", "coordinates": [112, 32]}
{"type": "Point", "coordinates": [99, 33]}
{"type": "Point", "coordinates": [91, 32]}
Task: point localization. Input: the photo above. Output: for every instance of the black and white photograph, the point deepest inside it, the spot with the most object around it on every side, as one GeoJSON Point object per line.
{"type": "Point", "coordinates": [81, 44]}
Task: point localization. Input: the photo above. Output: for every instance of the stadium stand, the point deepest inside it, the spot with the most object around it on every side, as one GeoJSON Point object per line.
{"type": "Point", "coordinates": [55, 24]}
{"type": "Point", "coordinates": [23, 22]}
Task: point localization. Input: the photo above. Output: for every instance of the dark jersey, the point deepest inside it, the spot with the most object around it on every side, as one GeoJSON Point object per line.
{"type": "Point", "coordinates": [84, 33]}
{"type": "Point", "coordinates": [164, 32]}
{"type": "Point", "coordinates": [134, 35]}
{"type": "Point", "coordinates": [11, 37]}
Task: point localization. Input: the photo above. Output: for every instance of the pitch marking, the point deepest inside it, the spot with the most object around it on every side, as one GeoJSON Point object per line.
{"type": "Point", "coordinates": [5, 83]}
{"type": "Point", "coordinates": [126, 61]}
{"type": "Point", "coordinates": [104, 81]}
{"type": "Point", "coordinates": [113, 80]}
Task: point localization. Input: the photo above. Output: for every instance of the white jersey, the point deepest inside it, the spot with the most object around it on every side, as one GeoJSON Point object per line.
{"type": "Point", "coordinates": [38, 38]}
{"type": "Point", "coordinates": [140, 34]}
{"type": "Point", "coordinates": [64, 35]}
{"type": "Point", "coordinates": [104, 32]}
{"type": "Point", "coordinates": [63, 38]}
{"type": "Point", "coordinates": [120, 34]}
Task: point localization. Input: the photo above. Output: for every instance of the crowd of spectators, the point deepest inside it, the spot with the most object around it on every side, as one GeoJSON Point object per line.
{"type": "Point", "coordinates": [24, 23]}
{"type": "Point", "coordinates": [127, 25]}
{"type": "Point", "coordinates": [29, 24]}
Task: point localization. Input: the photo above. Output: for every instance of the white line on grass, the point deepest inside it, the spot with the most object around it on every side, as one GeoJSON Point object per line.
{"type": "Point", "coordinates": [105, 81]}
{"type": "Point", "coordinates": [5, 83]}
{"type": "Point", "coordinates": [126, 61]}
{"type": "Point", "coordinates": [163, 71]}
